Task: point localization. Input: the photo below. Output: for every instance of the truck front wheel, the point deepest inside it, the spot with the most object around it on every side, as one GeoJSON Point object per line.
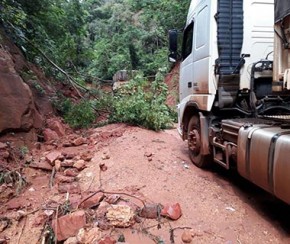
{"type": "Point", "coordinates": [195, 144]}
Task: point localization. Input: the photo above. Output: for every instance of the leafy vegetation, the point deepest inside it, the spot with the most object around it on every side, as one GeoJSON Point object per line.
{"type": "Point", "coordinates": [143, 103]}
{"type": "Point", "coordinates": [93, 39]}
{"type": "Point", "coordinates": [80, 115]}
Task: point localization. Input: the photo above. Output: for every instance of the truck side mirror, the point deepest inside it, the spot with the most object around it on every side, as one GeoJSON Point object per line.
{"type": "Point", "coordinates": [172, 57]}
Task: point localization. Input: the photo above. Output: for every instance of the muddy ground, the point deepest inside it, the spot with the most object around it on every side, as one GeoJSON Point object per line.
{"type": "Point", "coordinates": [217, 206]}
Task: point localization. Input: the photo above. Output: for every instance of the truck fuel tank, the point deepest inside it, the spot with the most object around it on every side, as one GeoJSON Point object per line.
{"type": "Point", "coordinates": [264, 158]}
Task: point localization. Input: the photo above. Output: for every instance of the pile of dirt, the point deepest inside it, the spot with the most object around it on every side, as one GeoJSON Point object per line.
{"type": "Point", "coordinates": [54, 198]}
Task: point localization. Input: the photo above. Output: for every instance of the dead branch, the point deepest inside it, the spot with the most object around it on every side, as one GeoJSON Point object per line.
{"type": "Point", "coordinates": [51, 180]}
{"type": "Point", "coordinates": [22, 229]}
{"type": "Point", "coordinates": [56, 224]}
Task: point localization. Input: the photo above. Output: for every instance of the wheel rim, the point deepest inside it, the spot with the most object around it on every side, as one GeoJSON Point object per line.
{"type": "Point", "coordinates": [194, 142]}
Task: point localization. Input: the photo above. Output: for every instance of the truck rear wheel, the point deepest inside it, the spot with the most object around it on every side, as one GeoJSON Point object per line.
{"type": "Point", "coordinates": [195, 144]}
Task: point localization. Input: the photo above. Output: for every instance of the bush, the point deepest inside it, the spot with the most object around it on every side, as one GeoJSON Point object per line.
{"type": "Point", "coordinates": [143, 103]}
{"type": "Point", "coordinates": [80, 115]}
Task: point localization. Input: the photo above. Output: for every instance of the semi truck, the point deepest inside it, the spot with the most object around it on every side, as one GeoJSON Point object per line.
{"type": "Point", "coordinates": [234, 88]}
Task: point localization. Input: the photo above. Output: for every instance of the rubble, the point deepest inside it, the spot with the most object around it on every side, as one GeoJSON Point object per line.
{"type": "Point", "coordinates": [172, 211]}
{"type": "Point", "coordinates": [44, 165]}
{"type": "Point", "coordinates": [49, 135]}
{"type": "Point", "coordinates": [93, 201]}
{"type": "Point", "coordinates": [79, 141]}
{"type": "Point", "coordinates": [59, 178]}
{"type": "Point", "coordinates": [72, 188]}
{"type": "Point", "coordinates": [89, 236]}
{"type": "Point", "coordinates": [67, 163]}
{"type": "Point", "coordinates": [120, 216]}
{"type": "Point", "coordinates": [186, 236]}
{"type": "Point", "coordinates": [71, 172]}
{"type": "Point", "coordinates": [52, 156]}
{"type": "Point", "coordinates": [80, 164]}
{"type": "Point", "coordinates": [56, 126]}
{"type": "Point", "coordinates": [112, 199]}
{"type": "Point", "coordinates": [150, 211]}
{"type": "Point", "coordinates": [69, 225]}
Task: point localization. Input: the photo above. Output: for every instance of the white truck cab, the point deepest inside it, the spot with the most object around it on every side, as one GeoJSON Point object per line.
{"type": "Point", "coordinates": [221, 41]}
{"type": "Point", "coordinates": [234, 105]}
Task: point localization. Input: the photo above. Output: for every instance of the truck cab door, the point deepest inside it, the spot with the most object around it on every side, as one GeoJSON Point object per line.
{"type": "Point", "coordinates": [186, 68]}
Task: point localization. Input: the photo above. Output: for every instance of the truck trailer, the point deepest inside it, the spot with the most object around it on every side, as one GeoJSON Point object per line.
{"type": "Point", "coordinates": [234, 85]}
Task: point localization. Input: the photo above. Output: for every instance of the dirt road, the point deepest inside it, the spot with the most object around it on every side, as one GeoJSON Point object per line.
{"type": "Point", "coordinates": [218, 206]}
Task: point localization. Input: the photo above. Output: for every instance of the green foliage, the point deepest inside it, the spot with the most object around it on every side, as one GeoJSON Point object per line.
{"type": "Point", "coordinates": [80, 115]}
{"type": "Point", "coordinates": [23, 150]}
{"type": "Point", "coordinates": [143, 103]}
{"type": "Point", "coordinates": [94, 37]}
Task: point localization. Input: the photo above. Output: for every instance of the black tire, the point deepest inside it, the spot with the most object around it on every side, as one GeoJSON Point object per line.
{"type": "Point", "coordinates": [194, 144]}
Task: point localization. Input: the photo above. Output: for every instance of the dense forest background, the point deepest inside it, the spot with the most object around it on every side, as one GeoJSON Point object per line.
{"type": "Point", "coordinates": [94, 38]}
{"type": "Point", "coordinates": [88, 41]}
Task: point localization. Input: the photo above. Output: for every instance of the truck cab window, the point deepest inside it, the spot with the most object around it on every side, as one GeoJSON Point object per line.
{"type": "Point", "coordinates": [187, 41]}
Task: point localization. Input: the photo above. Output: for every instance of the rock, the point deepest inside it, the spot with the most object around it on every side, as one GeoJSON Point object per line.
{"type": "Point", "coordinates": [87, 157]}
{"type": "Point", "coordinates": [80, 164]}
{"type": "Point", "coordinates": [105, 135]}
{"type": "Point", "coordinates": [52, 156]}
{"type": "Point", "coordinates": [102, 210]}
{"type": "Point", "coordinates": [107, 240]}
{"type": "Point", "coordinates": [69, 155]}
{"type": "Point", "coordinates": [67, 163]}
{"type": "Point", "coordinates": [93, 201]}
{"type": "Point", "coordinates": [67, 144]}
{"type": "Point", "coordinates": [112, 199]}
{"type": "Point", "coordinates": [44, 165]}
{"type": "Point", "coordinates": [71, 172]}
{"type": "Point", "coordinates": [186, 236]}
{"type": "Point", "coordinates": [103, 224]}
{"type": "Point", "coordinates": [71, 240]}
{"type": "Point", "coordinates": [57, 165]}
{"type": "Point", "coordinates": [150, 211]}
{"type": "Point", "coordinates": [17, 110]}
{"type": "Point", "coordinates": [103, 167]}
{"type": "Point", "coordinates": [148, 154]}
{"type": "Point", "coordinates": [48, 213]}
{"type": "Point", "coordinates": [56, 126]}
{"type": "Point", "coordinates": [79, 141]}
{"type": "Point", "coordinates": [105, 157]}
{"type": "Point", "coordinates": [64, 179]}
{"type": "Point", "coordinates": [3, 145]}
{"type": "Point", "coordinates": [120, 216]}
{"type": "Point", "coordinates": [49, 135]}
{"type": "Point", "coordinates": [72, 188]}
{"type": "Point", "coordinates": [89, 236]}
{"type": "Point", "coordinates": [69, 225]}
{"type": "Point", "coordinates": [172, 211]}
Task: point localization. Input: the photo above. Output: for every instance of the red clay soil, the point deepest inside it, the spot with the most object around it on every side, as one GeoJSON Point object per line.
{"type": "Point", "coordinates": [217, 206]}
